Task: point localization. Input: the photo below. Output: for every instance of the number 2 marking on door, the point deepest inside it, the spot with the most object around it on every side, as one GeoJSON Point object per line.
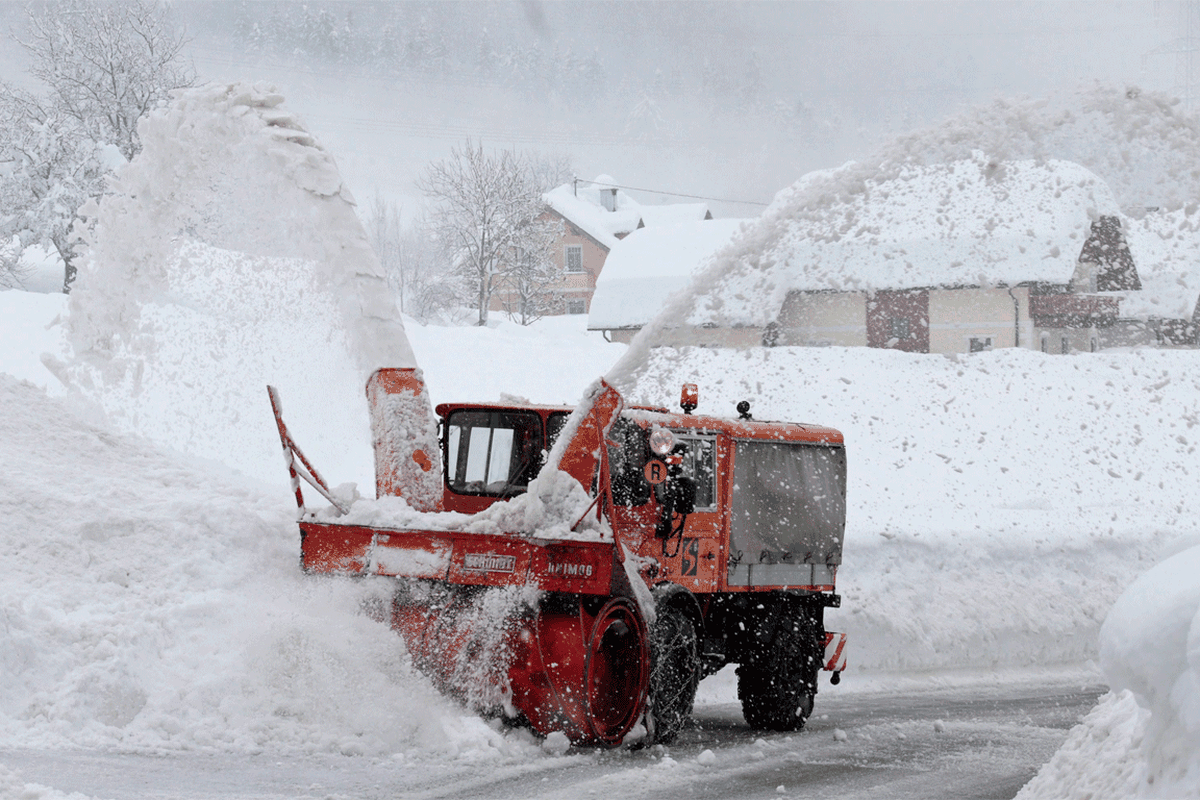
{"type": "Point", "coordinates": [691, 556]}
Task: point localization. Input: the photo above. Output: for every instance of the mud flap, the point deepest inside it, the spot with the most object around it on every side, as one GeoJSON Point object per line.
{"type": "Point", "coordinates": [835, 652]}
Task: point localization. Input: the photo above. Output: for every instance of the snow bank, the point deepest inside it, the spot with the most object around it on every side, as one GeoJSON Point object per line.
{"type": "Point", "coordinates": [152, 605]}
{"type": "Point", "coordinates": [31, 326]}
{"type": "Point", "coordinates": [1143, 739]}
{"type": "Point", "coordinates": [1100, 760]}
{"type": "Point", "coordinates": [225, 256]}
{"type": "Point", "coordinates": [998, 503]}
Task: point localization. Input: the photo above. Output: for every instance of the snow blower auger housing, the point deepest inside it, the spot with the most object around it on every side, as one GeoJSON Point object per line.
{"type": "Point", "coordinates": [710, 541]}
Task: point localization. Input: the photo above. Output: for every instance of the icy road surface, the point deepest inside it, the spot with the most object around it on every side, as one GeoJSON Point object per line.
{"type": "Point", "coordinates": [975, 741]}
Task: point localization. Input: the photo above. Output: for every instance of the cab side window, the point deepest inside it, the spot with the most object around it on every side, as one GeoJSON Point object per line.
{"type": "Point", "coordinates": [700, 464]}
{"type": "Point", "coordinates": [492, 452]}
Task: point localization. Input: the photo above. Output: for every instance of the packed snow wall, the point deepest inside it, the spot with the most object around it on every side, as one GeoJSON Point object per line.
{"type": "Point", "coordinates": [225, 256]}
{"type": "Point", "coordinates": [1143, 737]}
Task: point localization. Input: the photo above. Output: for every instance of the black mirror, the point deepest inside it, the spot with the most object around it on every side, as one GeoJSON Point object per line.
{"type": "Point", "coordinates": [683, 495]}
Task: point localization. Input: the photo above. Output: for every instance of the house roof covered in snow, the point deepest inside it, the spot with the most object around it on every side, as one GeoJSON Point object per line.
{"type": "Point", "coordinates": [967, 223]}
{"type": "Point", "coordinates": [646, 267]}
{"type": "Point", "coordinates": [583, 203]}
{"type": "Point", "coordinates": [1166, 247]}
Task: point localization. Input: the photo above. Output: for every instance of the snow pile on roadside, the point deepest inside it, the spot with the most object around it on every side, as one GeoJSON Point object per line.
{"type": "Point", "coordinates": [225, 256]}
{"type": "Point", "coordinates": [30, 324]}
{"type": "Point", "coordinates": [1150, 645]}
{"type": "Point", "coordinates": [1143, 739]}
{"type": "Point", "coordinates": [998, 503]}
{"type": "Point", "coordinates": [1101, 758]}
{"type": "Point", "coordinates": [153, 605]}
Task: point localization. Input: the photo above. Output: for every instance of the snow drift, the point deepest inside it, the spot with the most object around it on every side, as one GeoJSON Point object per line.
{"type": "Point", "coordinates": [152, 605]}
{"type": "Point", "coordinates": [1143, 739]}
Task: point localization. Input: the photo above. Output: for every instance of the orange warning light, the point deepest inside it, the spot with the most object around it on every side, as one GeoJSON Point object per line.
{"type": "Point", "coordinates": [689, 398]}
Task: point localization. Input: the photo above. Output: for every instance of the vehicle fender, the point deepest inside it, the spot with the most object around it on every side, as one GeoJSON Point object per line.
{"type": "Point", "coordinates": [672, 595]}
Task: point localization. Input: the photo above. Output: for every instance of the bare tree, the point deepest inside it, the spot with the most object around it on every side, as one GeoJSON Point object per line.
{"type": "Point", "coordinates": [105, 65]}
{"type": "Point", "coordinates": [530, 272]}
{"type": "Point", "coordinates": [416, 268]}
{"type": "Point", "coordinates": [384, 233]}
{"type": "Point", "coordinates": [486, 208]}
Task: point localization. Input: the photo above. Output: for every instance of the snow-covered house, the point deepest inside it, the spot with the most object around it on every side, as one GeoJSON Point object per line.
{"type": "Point", "coordinates": [595, 215]}
{"type": "Point", "coordinates": [945, 258]}
{"type": "Point", "coordinates": [1165, 312]}
{"type": "Point", "coordinates": [647, 267]}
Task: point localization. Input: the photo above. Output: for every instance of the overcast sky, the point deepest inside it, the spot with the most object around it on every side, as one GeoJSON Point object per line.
{"type": "Point", "coordinates": [830, 80]}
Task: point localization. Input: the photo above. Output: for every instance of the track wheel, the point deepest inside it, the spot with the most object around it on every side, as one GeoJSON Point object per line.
{"type": "Point", "coordinates": [778, 687]}
{"type": "Point", "coordinates": [674, 672]}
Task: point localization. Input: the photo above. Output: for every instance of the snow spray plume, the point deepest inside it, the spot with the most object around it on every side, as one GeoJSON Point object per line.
{"type": "Point", "coordinates": [225, 256]}
{"type": "Point", "coordinates": [229, 167]}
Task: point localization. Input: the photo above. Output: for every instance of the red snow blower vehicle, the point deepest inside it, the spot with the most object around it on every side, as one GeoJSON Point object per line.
{"type": "Point", "coordinates": [709, 541]}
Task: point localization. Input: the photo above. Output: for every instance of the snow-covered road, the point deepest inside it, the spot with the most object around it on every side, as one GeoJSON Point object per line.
{"type": "Point", "coordinates": [977, 739]}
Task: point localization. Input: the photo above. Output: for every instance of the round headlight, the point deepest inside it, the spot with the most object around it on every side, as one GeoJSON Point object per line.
{"type": "Point", "coordinates": [662, 441]}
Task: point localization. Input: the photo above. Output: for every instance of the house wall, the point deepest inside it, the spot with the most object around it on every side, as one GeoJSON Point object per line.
{"type": "Point", "coordinates": [817, 319]}
{"type": "Point", "coordinates": [569, 286]}
{"type": "Point", "coordinates": [1165, 333]}
{"type": "Point", "coordinates": [580, 285]}
{"type": "Point", "coordinates": [1078, 340]}
{"type": "Point", "coordinates": [906, 310]}
{"type": "Point", "coordinates": [947, 318]}
{"type": "Point", "coordinates": [956, 316]}
{"type": "Point", "coordinates": [940, 320]}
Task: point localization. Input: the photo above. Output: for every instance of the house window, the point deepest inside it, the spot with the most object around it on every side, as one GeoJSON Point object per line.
{"type": "Point", "coordinates": [1093, 344]}
{"type": "Point", "coordinates": [1045, 344]}
{"type": "Point", "coordinates": [1066, 345]}
{"type": "Point", "coordinates": [574, 258]}
{"type": "Point", "coordinates": [899, 327]}
{"type": "Point", "coordinates": [979, 344]}
{"type": "Point", "coordinates": [577, 306]}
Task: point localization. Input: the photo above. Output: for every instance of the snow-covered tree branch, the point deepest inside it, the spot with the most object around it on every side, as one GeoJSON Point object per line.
{"type": "Point", "coordinates": [104, 65]}
{"type": "Point", "coordinates": [107, 64]}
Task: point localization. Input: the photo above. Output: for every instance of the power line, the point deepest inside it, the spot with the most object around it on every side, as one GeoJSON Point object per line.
{"type": "Point", "coordinates": [673, 194]}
